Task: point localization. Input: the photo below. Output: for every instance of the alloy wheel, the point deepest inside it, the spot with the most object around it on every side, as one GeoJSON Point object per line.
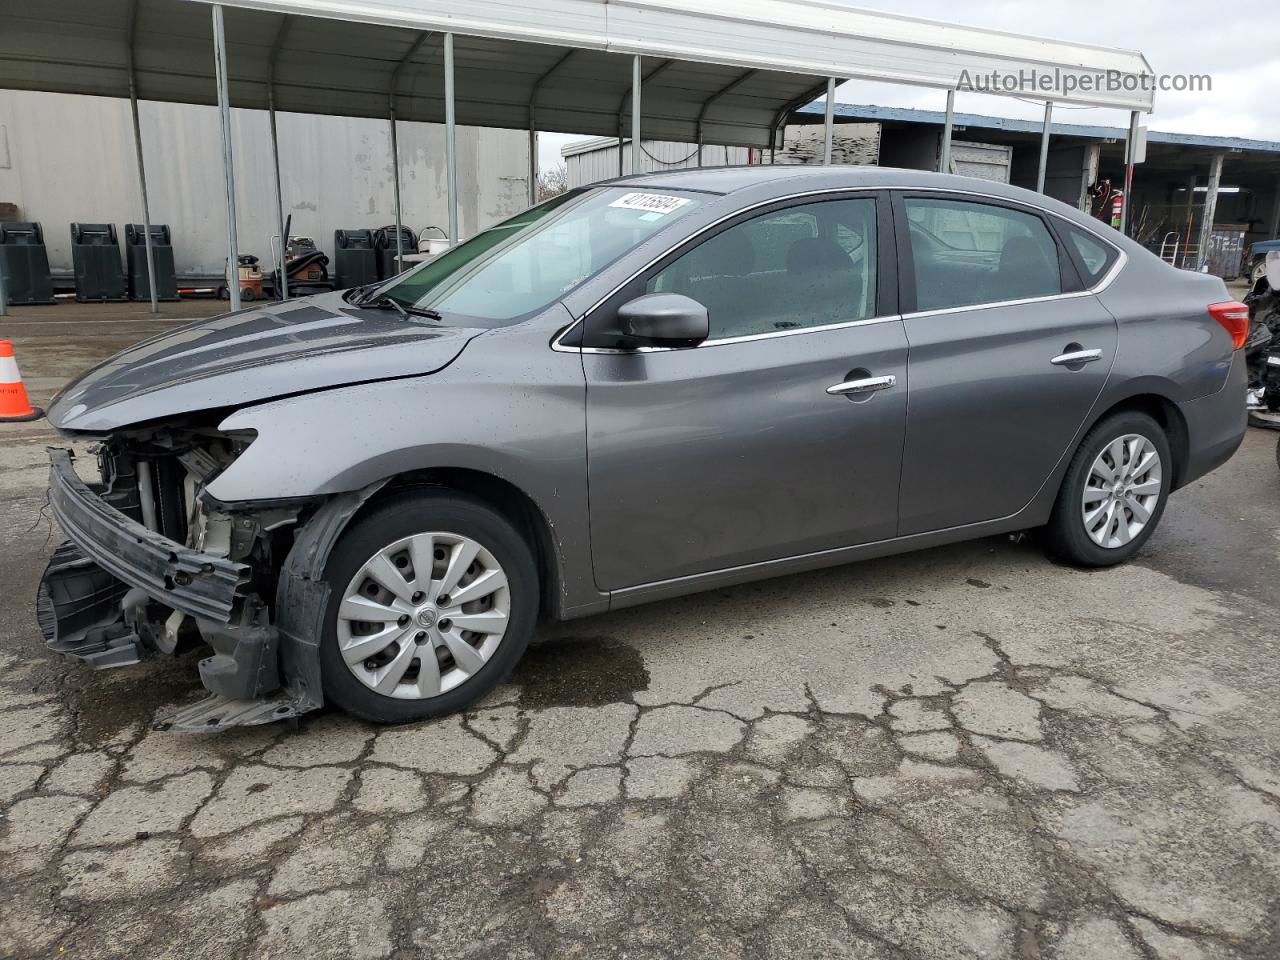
{"type": "Point", "coordinates": [1121, 491]}
{"type": "Point", "coordinates": [423, 615]}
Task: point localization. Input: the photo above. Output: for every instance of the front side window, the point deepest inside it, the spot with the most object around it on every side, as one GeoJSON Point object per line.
{"type": "Point", "coordinates": [969, 253]}
{"type": "Point", "coordinates": [530, 261]}
{"type": "Point", "coordinates": [805, 266]}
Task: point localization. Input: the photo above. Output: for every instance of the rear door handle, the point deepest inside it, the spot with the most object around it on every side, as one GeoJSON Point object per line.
{"type": "Point", "coordinates": [864, 385]}
{"type": "Point", "coordinates": [1076, 356]}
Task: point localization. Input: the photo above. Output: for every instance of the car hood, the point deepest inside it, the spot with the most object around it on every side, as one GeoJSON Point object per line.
{"type": "Point", "coordinates": [254, 355]}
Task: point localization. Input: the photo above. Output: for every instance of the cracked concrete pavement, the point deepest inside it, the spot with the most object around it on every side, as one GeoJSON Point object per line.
{"type": "Point", "coordinates": [965, 752]}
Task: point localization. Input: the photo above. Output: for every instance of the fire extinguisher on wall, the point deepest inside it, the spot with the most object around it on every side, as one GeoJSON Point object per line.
{"type": "Point", "coordinates": [1117, 208]}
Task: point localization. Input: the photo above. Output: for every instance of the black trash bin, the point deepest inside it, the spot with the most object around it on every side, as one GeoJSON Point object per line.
{"type": "Point", "coordinates": [354, 260]}
{"type": "Point", "coordinates": [384, 243]}
{"type": "Point", "coordinates": [25, 263]}
{"type": "Point", "coordinates": [95, 254]}
{"type": "Point", "coordinates": [135, 254]}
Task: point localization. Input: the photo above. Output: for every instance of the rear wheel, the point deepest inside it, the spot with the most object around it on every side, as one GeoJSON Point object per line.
{"type": "Point", "coordinates": [1113, 494]}
{"type": "Point", "coordinates": [433, 599]}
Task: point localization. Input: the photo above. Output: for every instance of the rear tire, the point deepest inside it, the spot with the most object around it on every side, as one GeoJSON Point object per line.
{"type": "Point", "coordinates": [438, 529]}
{"type": "Point", "coordinates": [1113, 494]}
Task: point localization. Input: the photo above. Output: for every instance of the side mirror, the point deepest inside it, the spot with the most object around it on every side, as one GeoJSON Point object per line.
{"type": "Point", "coordinates": [664, 320]}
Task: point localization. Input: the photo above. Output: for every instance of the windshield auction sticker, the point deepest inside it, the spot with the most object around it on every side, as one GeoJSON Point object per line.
{"type": "Point", "coordinates": [656, 203]}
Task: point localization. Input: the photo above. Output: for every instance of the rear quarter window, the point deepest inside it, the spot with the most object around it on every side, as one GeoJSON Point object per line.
{"type": "Point", "coordinates": [1095, 256]}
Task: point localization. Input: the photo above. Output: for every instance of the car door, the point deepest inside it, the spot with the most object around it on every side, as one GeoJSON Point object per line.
{"type": "Point", "coordinates": [1007, 356]}
{"type": "Point", "coordinates": [781, 434]}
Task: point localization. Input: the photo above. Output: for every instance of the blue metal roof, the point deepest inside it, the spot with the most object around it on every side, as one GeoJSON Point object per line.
{"type": "Point", "coordinates": [859, 111]}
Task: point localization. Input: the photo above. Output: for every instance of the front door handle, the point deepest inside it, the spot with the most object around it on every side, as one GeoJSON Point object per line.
{"type": "Point", "coordinates": [863, 385]}
{"type": "Point", "coordinates": [1076, 356]}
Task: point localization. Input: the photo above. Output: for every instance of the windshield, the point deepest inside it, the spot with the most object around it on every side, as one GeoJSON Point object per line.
{"type": "Point", "coordinates": [525, 263]}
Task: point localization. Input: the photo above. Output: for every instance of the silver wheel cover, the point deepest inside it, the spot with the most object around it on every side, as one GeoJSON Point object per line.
{"type": "Point", "coordinates": [1121, 491]}
{"type": "Point", "coordinates": [423, 615]}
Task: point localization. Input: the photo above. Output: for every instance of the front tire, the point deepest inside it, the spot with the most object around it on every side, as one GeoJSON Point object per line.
{"type": "Point", "coordinates": [433, 600]}
{"type": "Point", "coordinates": [1114, 492]}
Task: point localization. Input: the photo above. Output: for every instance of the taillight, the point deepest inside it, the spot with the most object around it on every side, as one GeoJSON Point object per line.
{"type": "Point", "coordinates": [1234, 317]}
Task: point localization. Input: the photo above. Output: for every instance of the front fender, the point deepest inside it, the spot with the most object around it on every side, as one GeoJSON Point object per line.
{"type": "Point", "coordinates": [510, 407]}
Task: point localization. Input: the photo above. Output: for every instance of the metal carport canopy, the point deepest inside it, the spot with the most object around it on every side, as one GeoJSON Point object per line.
{"type": "Point", "coordinates": [725, 71]}
{"type": "Point", "coordinates": [559, 59]}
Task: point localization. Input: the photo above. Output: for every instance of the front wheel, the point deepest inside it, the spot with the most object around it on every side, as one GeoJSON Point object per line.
{"type": "Point", "coordinates": [433, 599]}
{"type": "Point", "coordinates": [1113, 494]}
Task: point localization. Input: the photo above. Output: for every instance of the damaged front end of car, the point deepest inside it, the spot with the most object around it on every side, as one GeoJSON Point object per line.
{"type": "Point", "coordinates": [154, 559]}
{"type": "Point", "coordinates": [153, 563]}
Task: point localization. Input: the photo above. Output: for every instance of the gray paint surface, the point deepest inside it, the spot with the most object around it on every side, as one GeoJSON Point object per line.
{"type": "Point", "coordinates": [71, 159]}
{"type": "Point", "coordinates": [692, 450]}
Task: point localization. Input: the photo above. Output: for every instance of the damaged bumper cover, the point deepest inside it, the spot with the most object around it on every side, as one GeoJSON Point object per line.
{"type": "Point", "coordinates": [94, 595]}
{"type": "Point", "coordinates": [98, 597]}
{"type": "Point", "coordinates": [184, 579]}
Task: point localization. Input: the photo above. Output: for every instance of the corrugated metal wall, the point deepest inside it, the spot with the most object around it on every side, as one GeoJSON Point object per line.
{"type": "Point", "coordinates": [595, 160]}
{"type": "Point", "coordinates": [601, 163]}
{"type": "Point", "coordinates": [68, 158]}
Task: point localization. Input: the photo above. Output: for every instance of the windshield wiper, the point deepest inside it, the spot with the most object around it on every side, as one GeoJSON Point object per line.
{"type": "Point", "coordinates": [384, 302]}
{"type": "Point", "coordinates": [356, 294]}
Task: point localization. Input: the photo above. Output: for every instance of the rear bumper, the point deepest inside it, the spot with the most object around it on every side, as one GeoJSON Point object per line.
{"type": "Point", "coordinates": [1216, 424]}
{"type": "Point", "coordinates": [187, 580]}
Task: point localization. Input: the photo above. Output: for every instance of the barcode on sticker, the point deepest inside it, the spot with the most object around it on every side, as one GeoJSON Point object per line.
{"type": "Point", "coordinates": [658, 203]}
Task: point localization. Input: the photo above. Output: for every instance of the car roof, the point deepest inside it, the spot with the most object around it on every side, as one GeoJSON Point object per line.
{"type": "Point", "coordinates": [765, 179]}
{"type": "Point", "coordinates": [731, 179]}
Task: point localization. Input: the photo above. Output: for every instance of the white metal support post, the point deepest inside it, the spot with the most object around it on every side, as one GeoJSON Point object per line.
{"type": "Point", "coordinates": [944, 154]}
{"type": "Point", "coordinates": [228, 162]}
{"type": "Point", "coordinates": [533, 159]}
{"type": "Point", "coordinates": [828, 120]}
{"type": "Point", "coordinates": [533, 125]}
{"type": "Point", "coordinates": [450, 139]}
{"type": "Point", "coordinates": [395, 184]}
{"type": "Point", "coordinates": [711, 100]}
{"type": "Point", "coordinates": [142, 168]}
{"type": "Point", "coordinates": [635, 114]}
{"type": "Point", "coordinates": [1130, 147]}
{"type": "Point", "coordinates": [142, 186]}
{"type": "Point", "coordinates": [395, 145]}
{"type": "Point", "coordinates": [282, 277]}
{"type": "Point", "coordinates": [1044, 146]}
{"type": "Point", "coordinates": [1210, 208]}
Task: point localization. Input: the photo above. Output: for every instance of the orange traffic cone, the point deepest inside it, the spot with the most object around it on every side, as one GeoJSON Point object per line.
{"type": "Point", "coordinates": [14, 404]}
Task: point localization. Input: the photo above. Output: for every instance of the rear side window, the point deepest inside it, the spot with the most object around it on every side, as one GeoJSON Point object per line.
{"type": "Point", "coordinates": [1095, 256]}
{"type": "Point", "coordinates": [969, 253]}
{"type": "Point", "coordinates": [805, 266]}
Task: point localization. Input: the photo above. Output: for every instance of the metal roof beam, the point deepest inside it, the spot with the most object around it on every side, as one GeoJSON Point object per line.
{"type": "Point", "coordinates": [727, 89]}
{"type": "Point", "coordinates": [787, 109]}
{"type": "Point", "coordinates": [533, 123]}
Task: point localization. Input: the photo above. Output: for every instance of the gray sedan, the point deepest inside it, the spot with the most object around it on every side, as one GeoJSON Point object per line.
{"type": "Point", "coordinates": [641, 389]}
